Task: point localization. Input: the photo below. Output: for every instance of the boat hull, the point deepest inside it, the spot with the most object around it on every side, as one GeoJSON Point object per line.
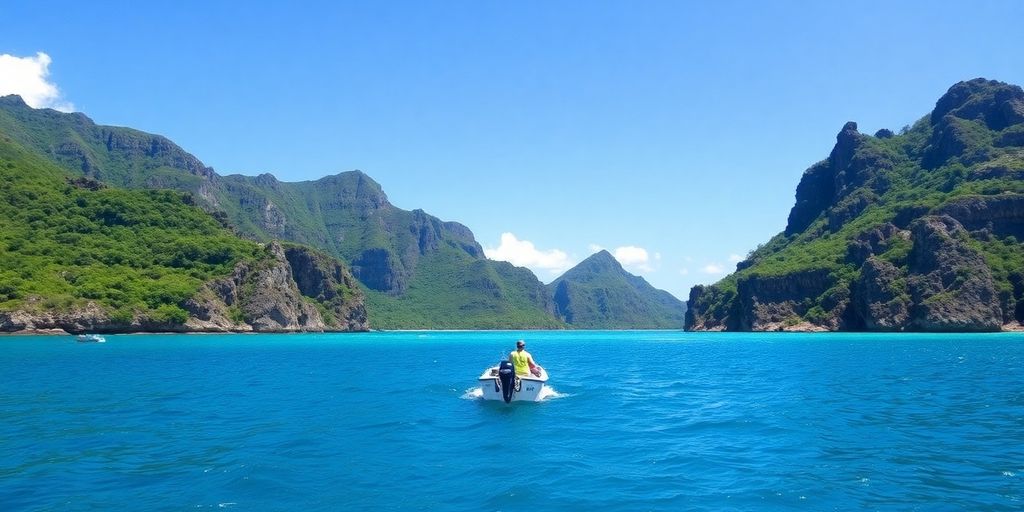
{"type": "Point", "coordinates": [530, 388]}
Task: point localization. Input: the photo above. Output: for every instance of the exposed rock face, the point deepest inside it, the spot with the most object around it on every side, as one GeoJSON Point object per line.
{"type": "Point", "coordinates": [379, 270]}
{"type": "Point", "coordinates": [873, 241]}
{"type": "Point", "coordinates": [1002, 215]}
{"type": "Point", "coordinates": [997, 104]}
{"type": "Point", "coordinates": [271, 296]}
{"type": "Point", "coordinates": [326, 281]}
{"type": "Point", "coordinates": [772, 300]}
{"type": "Point", "coordinates": [881, 300]}
{"type": "Point", "coordinates": [701, 314]}
{"type": "Point", "coordinates": [851, 165]}
{"type": "Point", "coordinates": [950, 285]}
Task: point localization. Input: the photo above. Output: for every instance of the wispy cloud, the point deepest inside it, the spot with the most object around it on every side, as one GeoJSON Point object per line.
{"type": "Point", "coordinates": [713, 269]}
{"type": "Point", "coordinates": [735, 258]}
{"type": "Point", "coordinates": [28, 77]}
{"type": "Point", "coordinates": [684, 271]}
{"type": "Point", "coordinates": [522, 253]}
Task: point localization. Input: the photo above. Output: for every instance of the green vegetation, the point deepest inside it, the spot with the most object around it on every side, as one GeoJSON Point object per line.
{"type": "Point", "coordinates": [966, 151]}
{"type": "Point", "coordinates": [460, 293]}
{"type": "Point", "coordinates": [135, 253]}
{"type": "Point", "coordinates": [598, 294]}
{"type": "Point", "coordinates": [420, 271]}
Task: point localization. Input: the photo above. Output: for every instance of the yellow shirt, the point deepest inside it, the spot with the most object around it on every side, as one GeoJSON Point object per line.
{"type": "Point", "coordinates": [521, 361]}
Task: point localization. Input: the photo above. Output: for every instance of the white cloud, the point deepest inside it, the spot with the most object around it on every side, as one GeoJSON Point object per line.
{"type": "Point", "coordinates": [522, 253]}
{"type": "Point", "coordinates": [713, 268]}
{"type": "Point", "coordinates": [595, 248]}
{"type": "Point", "coordinates": [631, 255]}
{"type": "Point", "coordinates": [684, 271]}
{"type": "Point", "coordinates": [735, 258]}
{"type": "Point", "coordinates": [634, 258]}
{"type": "Point", "coordinates": [28, 78]}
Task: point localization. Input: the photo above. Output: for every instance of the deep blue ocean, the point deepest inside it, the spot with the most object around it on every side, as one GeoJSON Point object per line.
{"type": "Point", "coordinates": [390, 421]}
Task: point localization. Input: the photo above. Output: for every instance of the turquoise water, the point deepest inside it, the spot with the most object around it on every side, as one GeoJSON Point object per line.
{"type": "Point", "coordinates": [638, 421]}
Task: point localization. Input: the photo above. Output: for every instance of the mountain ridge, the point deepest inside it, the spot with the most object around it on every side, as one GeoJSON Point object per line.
{"type": "Point", "coordinates": [346, 215]}
{"type": "Point", "coordinates": [77, 256]}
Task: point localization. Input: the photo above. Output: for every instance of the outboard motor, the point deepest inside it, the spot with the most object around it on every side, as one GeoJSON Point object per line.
{"type": "Point", "coordinates": [507, 376]}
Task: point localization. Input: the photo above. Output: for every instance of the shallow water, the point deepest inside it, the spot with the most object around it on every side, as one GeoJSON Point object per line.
{"type": "Point", "coordinates": [390, 421]}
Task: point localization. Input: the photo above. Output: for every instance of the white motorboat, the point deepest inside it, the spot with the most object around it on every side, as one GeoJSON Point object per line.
{"type": "Point", "coordinates": [90, 338]}
{"type": "Point", "coordinates": [501, 383]}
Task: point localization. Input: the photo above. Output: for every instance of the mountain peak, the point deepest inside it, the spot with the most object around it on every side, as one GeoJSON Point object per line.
{"type": "Point", "coordinates": [599, 261]}
{"type": "Point", "coordinates": [996, 103]}
{"type": "Point", "coordinates": [598, 293]}
{"type": "Point", "coordinates": [13, 100]}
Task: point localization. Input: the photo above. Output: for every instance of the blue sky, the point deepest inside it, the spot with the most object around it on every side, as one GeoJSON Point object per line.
{"type": "Point", "coordinates": [670, 133]}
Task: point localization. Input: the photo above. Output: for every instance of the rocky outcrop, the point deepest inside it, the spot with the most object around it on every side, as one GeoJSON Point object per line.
{"type": "Point", "coordinates": [881, 301]}
{"type": "Point", "coordinates": [997, 104]}
{"type": "Point", "coordinates": [326, 281]}
{"type": "Point", "coordinates": [852, 164]}
{"type": "Point", "coordinates": [950, 286]}
{"type": "Point", "coordinates": [1001, 215]}
{"type": "Point", "coordinates": [873, 241]}
{"type": "Point", "coordinates": [274, 295]}
{"type": "Point", "coordinates": [922, 231]}
{"type": "Point", "coordinates": [765, 301]}
{"type": "Point", "coordinates": [292, 290]}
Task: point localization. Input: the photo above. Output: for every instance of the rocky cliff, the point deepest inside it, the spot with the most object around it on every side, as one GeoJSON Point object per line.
{"type": "Point", "coordinates": [290, 290]}
{"type": "Point", "coordinates": [916, 231]}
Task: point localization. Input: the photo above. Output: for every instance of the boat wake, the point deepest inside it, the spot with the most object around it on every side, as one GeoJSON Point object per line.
{"type": "Point", "coordinates": [548, 393]}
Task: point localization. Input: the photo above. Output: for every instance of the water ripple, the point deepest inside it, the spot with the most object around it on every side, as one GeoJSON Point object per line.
{"type": "Point", "coordinates": [639, 421]}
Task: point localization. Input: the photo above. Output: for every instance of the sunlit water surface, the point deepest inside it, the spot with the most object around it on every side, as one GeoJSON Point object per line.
{"type": "Point", "coordinates": [393, 421]}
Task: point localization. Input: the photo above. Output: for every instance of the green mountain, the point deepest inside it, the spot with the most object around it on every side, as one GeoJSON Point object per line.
{"type": "Point", "coordinates": [599, 294]}
{"type": "Point", "coordinates": [76, 255]}
{"type": "Point", "coordinates": [417, 271]}
{"type": "Point", "coordinates": [919, 231]}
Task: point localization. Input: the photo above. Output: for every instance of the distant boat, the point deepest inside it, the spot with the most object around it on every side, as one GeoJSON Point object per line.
{"type": "Point", "coordinates": [90, 338]}
{"type": "Point", "coordinates": [501, 383]}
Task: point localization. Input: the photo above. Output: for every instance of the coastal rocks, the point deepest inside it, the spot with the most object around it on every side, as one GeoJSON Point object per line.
{"type": "Point", "coordinates": [87, 318]}
{"type": "Point", "coordinates": [939, 216]}
{"type": "Point", "coordinates": [326, 281]}
{"type": "Point", "coordinates": [881, 300]}
{"type": "Point", "coordinates": [950, 286]}
{"type": "Point", "coordinates": [271, 296]}
{"type": "Point", "coordinates": [706, 309]}
{"type": "Point", "coordinates": [291, 290]}
{"type": "Point", "coordinates": [764, 302]}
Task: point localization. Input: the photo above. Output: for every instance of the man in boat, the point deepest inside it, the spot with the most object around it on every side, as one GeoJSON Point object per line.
{"type": "Point", "coordinates": [523, 361]}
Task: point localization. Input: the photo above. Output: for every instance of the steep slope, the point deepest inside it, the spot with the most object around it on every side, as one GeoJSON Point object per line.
{"type": "Point", "coordinates": [599, 294]}
{"type": "Point", "coordinates": [79, 256]}
{"type": "Point", "coordinates": [417, 270]}
{"type": "Point", "coordinates": [919, 230]}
